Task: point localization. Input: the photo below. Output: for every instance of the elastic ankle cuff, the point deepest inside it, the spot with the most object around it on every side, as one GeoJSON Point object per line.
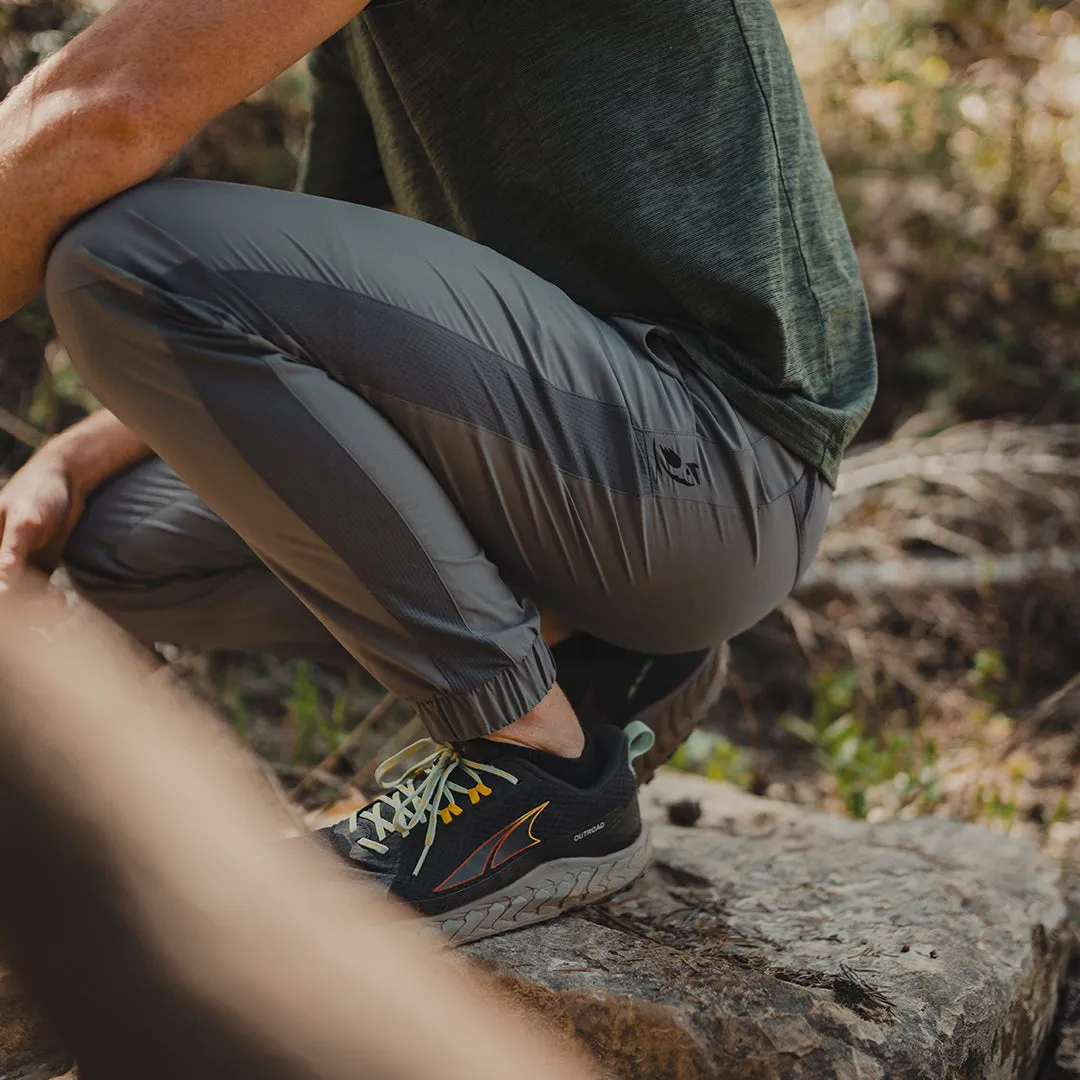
{"type": "Point", "coordinates": [502, 700]}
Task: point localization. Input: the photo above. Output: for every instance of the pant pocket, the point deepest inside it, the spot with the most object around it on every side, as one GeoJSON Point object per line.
{"type": "Point", "coordinates": [810, 501]}
{"type": "Point", "coordinates": [655, 343]}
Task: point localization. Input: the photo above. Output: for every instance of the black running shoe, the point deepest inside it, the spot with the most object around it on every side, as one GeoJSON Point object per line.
{"type": "Point", "coordinates": [480, 840]}
{"type": "Point", "coordinates": [670, 694]}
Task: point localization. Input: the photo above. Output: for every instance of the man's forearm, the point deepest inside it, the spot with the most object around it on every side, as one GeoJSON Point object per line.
{"type": "Point", "coordinates": [94, 449]}
{"type": "Point", "coordinates": [58, 158]}
{"type": "Point", "coordinates": [114, 105]}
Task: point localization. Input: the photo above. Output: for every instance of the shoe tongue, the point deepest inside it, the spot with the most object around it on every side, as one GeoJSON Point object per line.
{"type": "Point", "coordinates": [485, 750]}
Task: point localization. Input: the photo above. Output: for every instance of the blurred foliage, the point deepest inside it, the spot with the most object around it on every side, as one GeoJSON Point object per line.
{"type": "Point", "coordinates": [861, 760]}
{"type": "Point", "coordinates": [953, 131]}
{"type": "Point", "coordinates": [710, 754]}
{"type": "Point", "coordinates": [317, 731]}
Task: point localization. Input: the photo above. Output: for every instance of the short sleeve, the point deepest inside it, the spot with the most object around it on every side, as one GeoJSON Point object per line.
{"type": "Point", "coordinates": [341, 160]}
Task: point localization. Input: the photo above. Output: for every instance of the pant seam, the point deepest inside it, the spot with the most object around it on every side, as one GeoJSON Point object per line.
{"type": "Point", "coordinates": [407, 525]}
{"type": "Point", "coordinates": [212, 314]}
{"type": "Point", "coordinates": [800, 540]}
{"type": "Point", "coordinates": [472, 342]}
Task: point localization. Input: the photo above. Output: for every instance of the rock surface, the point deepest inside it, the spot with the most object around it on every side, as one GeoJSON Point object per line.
{"type": "Point", "coordinates": [25, 1053]}
{"type": "Point", "coordinates": [1062, 1061]}
{"type": "Point", "coordinates": [768, 942]}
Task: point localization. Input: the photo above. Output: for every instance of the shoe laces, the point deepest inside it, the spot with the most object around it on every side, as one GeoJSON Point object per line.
{"type": "Point", "coordinates": [423, 791]}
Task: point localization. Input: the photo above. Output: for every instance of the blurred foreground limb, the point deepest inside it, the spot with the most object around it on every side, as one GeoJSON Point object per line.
{"type": "Point", "coordinates": [153, 913]}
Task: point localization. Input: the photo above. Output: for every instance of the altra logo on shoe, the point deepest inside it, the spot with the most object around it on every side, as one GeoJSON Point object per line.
{"type": "Point", "coordinates": [493, 852]}
{"type": "Point", "coordinates": [670, 461]}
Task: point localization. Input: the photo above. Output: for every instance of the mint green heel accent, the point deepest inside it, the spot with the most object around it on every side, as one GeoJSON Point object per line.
{"type": "Point", "coordinates": [639, 740]}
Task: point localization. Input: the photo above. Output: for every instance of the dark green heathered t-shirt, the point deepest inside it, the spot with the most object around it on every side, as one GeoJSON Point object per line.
{"type": "Point", "coordinates": [652, 158]}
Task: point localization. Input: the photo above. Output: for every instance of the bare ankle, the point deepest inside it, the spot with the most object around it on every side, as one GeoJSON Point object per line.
{"type": "Point", "coordinates": [554, 628]}
{"type": "Point", "coordinates": [552, 726]}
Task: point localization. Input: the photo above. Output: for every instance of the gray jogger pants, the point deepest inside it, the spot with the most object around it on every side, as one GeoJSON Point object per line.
{"type": "Point", "coordinates": [424, 442]}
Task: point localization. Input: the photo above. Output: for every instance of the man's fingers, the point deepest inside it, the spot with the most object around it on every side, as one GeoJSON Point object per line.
{"type": "Point", "coordinates": [20, 533]}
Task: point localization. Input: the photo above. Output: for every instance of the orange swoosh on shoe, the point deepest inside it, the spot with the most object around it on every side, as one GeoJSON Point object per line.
{"type": "Point", "coordinates": [509, 841]}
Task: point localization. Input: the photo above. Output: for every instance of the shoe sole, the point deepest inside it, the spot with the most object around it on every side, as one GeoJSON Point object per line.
{"type": "Point", "coordinates": [674, 717]}
{"type": "Point", "coordinates": [545, 893]}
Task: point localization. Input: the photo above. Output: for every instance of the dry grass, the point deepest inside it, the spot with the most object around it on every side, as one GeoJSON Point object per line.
{"type": "Point", "coordinates": [942, 619]}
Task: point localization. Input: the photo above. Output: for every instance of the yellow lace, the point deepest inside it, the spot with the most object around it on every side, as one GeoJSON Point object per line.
{"type": "Point", "coordinates": [424, 793]}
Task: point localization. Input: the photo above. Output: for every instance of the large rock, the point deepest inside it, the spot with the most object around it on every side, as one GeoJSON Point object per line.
{"type": "Point", "coordinates": [1062, 1060]}
{"type": "Point", "coordinates": [1063, 1057]}
{"type": "Point", "coordinates": [770, 942]}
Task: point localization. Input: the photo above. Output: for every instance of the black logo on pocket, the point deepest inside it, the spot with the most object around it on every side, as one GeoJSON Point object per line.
{"type": "Point", "coordinates": [669, 460]}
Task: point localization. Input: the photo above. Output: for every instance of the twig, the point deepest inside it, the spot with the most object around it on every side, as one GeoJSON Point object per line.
{"type": "Point", "coordinates": [19, 429]}
{"type": "Point", "coordinates": [802, 626]}
{"type": "Point", "coordinates": [286, 772]}
{"type": "Point", "coordinates": [941, 572]}
{"type": "Point", "coordinates": [326, 766]}
{"type": "Point", "coordinates": [944, 466]}
{"type": "Point", "coordinates": [925, 528]}
{"type": "Point", "coordinates": [412, 731]}
{"type": "Point", "coordinates": [1040, 717]}
{"type": "Point", "coordinates": [280, 794]}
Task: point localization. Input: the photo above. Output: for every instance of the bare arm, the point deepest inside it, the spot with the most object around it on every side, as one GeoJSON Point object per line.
{"type": "Point", "coordinates": [103, 114]}
{"type": "Point", "coordinates": [92, 450]}
{"type": "Point", "coordinates": [120, 100]}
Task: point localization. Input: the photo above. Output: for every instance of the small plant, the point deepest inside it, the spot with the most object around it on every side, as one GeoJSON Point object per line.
{"type": "Point", "coordinates": [921, 788]}
{"type": "Point", "coordinates": [59, 390]}
{"type": "Point", "coordinates": [233, 701]}
{"type": "Point", "coordinates": [710, 754]}
{"type": "Point", "coordinates": [1061, 812]}
{"type": "Point", "coordinates": [995, 806]}
{"type": "Point", "coordinates": [310, 724]}
{"type": "Point", "coordinates": [987, 672]}
{"type": "Point", "coordinates": [992, 807]}
{"type": "Point", "coordinates": [859, 760]}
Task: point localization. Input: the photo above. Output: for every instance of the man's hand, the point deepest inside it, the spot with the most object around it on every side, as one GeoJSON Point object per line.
{"type": "Point", "coordinates": [42, 502]}
{"type": "Point", "coordinates": [39, 507]}
{"type": "Point", "coordinates": [114, 105]}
